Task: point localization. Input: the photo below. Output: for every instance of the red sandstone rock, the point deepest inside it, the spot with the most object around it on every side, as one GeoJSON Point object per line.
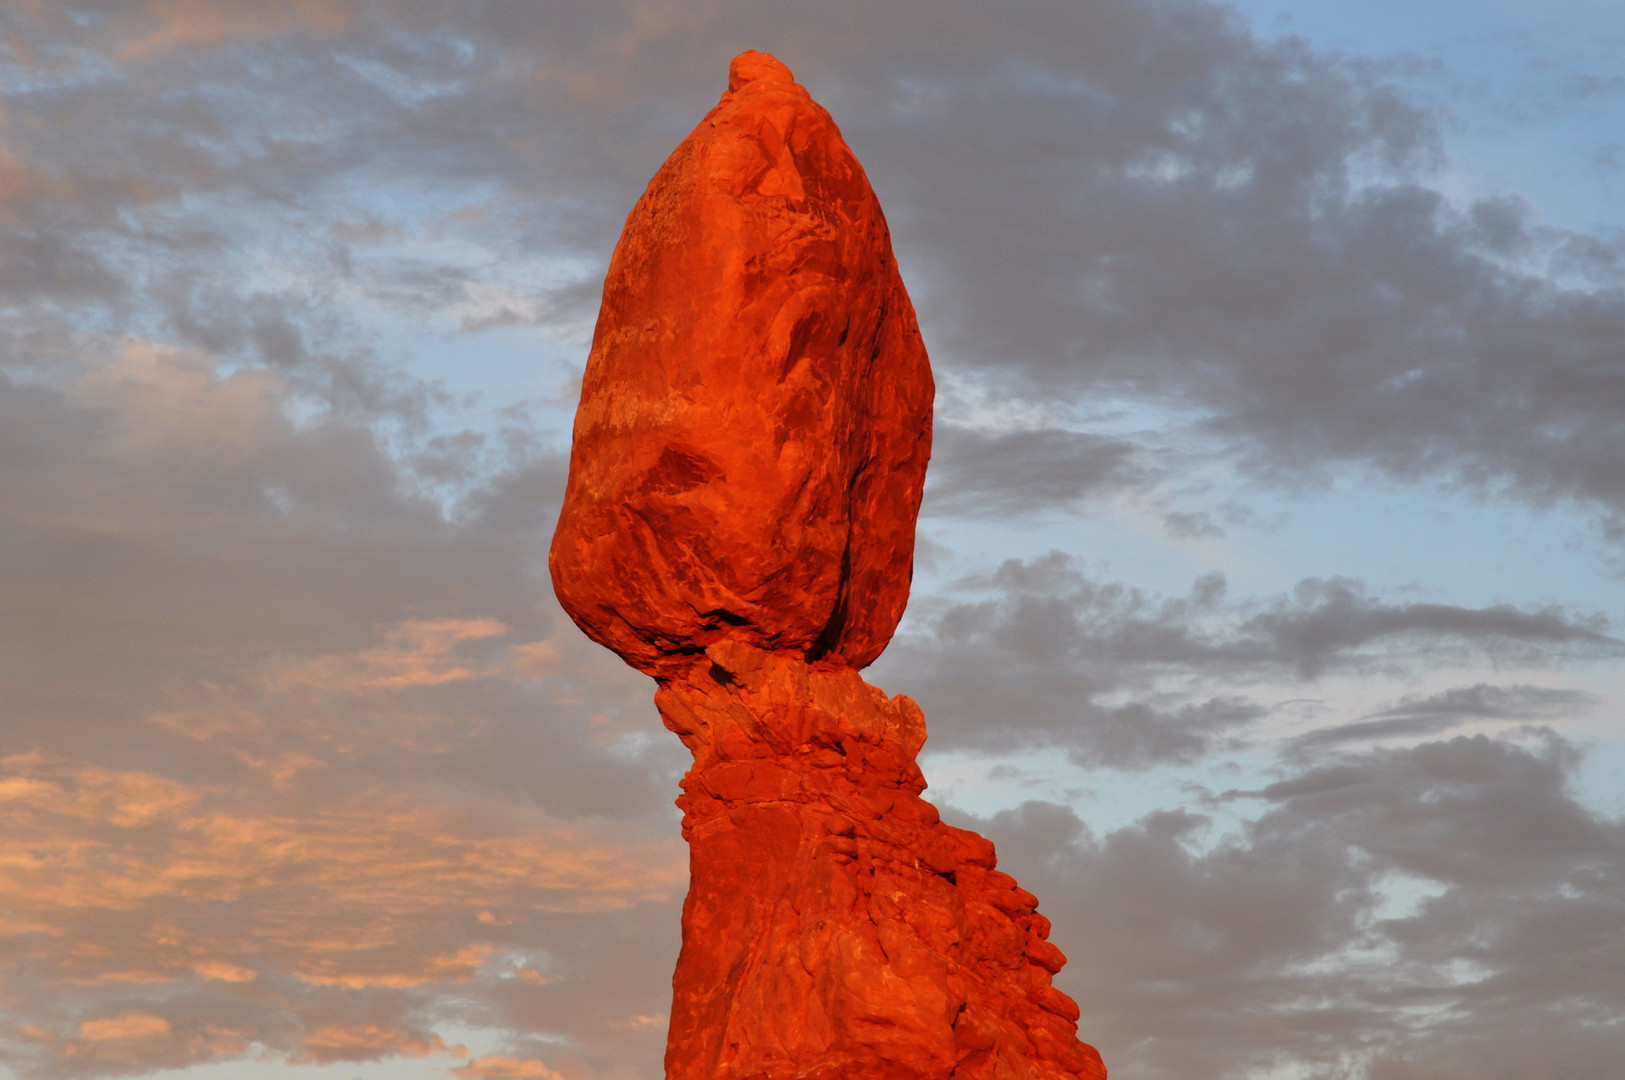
{"type": "Point", "coordinates": [755, 414]}
{"type": "Point", "coordinates": [835, 928]}
{"type": "Point", "coordinates": [739, 523]}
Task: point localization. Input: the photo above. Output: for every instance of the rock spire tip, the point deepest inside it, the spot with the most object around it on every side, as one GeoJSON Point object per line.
{"type": "Point", "coordinates": [752, 66]}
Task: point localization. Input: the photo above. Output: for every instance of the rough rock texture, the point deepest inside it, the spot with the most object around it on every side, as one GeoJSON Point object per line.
{"type": "Point", "coordinates": [756, 411]}
{"type": "Point", "coordinates": [739, 523]}
{"type": "Point", "coordinates": [836, 929]}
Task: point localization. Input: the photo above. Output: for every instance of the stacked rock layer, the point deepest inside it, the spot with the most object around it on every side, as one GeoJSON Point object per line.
{"type": "Point", "coordinates": [739, 520]}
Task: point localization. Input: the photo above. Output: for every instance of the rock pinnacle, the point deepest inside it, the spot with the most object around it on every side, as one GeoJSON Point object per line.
{"type": "Point", "coordinates": [745, 473]}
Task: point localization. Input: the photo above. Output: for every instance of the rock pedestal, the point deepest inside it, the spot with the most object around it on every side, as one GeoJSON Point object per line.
{"type": "Point", "coordinates": [739, 523]}
{"type": "Point", "coordinates": [835, 928]}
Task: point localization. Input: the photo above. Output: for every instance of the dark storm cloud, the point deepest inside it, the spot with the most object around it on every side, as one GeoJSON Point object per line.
{"type": "Point", "coordinates": [1442, 911]}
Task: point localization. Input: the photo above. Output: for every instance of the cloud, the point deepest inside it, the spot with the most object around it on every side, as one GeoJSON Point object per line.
{"type": "Point", "coordinates": [125, 881]}
{"type": "Point", "coordinates": [976, 474]}
{"type": "Point", "coordinates": [351, 1042]}
{"type": "Point", "coordinates": [182, 24]}
{"type": "Point", "coordinates": [128, 1026]}
{"type": "Point", "coordinates": [282, 731]}
{"type": "Point", "coordinates": [497, 1067]}
{"type": "Point", "coordinates": [1428, 913]}
{"type": "Point", "coordinates": [1126, 679]}
{"type": "Point", "coordinates": [1331, 622]}
{"type": "Point", "coordinates": [1436, 713]}
{"type": "Point", "coordinates": [418, 652]}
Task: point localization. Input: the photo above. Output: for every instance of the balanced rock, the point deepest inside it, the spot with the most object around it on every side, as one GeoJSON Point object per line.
{"type": "Point", "coordinates": [755, 414]}
{"type": "Point", "coordinates": [748, 457]}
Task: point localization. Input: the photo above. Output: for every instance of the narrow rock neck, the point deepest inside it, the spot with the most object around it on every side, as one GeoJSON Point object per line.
{"type": "Point", "coordinates": [740, 703]}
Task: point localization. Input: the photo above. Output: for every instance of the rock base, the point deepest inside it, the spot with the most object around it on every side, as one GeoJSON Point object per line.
{"type": "Point", "coordinates": [835, 928]}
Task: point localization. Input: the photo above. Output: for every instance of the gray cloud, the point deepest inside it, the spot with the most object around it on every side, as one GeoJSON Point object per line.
{"type": "Point", "coordinates": [1247, 230]}
{"type": "Point", "coordinates": [975, 474]}
{"type": "Point", "coordinates": [1440, 712]}
{"type": "Point", "coordinates": [1439, 911]}
{"type": "Point", "coordinates": [1050, 652]}
{"type": "Point", "coordinates": [1047, 622]}
{"type": "Point", "coordinates": [1330, 623]}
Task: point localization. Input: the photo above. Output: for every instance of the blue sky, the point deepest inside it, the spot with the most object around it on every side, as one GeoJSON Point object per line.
{"type": "Point", "coordinates": [1267, 611]}
{"type": "Point", "coordinates": [1534, 86]}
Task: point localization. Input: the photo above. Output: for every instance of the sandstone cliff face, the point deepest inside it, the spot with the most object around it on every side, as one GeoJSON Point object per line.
{"type": "Point", "coordinates": [739, 523]}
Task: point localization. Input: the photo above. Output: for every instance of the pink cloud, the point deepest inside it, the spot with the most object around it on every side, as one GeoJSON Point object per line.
{"type": "Point", "coordinates": [497, 1067]}
{"type": "Point", "coordinates": [368, 1042]}
{"type": "Point", "coordinates": [420, 652]}
{"type": "Point", "coordinates": [181, 24]}
{"type": "Point", "coordinates": [126, 1026]}
{"type": "Point", "coordinates": [339, 896]}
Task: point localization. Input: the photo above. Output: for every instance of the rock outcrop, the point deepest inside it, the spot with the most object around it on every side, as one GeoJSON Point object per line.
{"type": "Point", "coordinates": [756, 411]}
{"type": "Point", "coordinates": [739, 523]}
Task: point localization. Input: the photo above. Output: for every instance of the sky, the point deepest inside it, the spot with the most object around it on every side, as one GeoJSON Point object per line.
{"type": "Point", "coordinates": [1268, 602]}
